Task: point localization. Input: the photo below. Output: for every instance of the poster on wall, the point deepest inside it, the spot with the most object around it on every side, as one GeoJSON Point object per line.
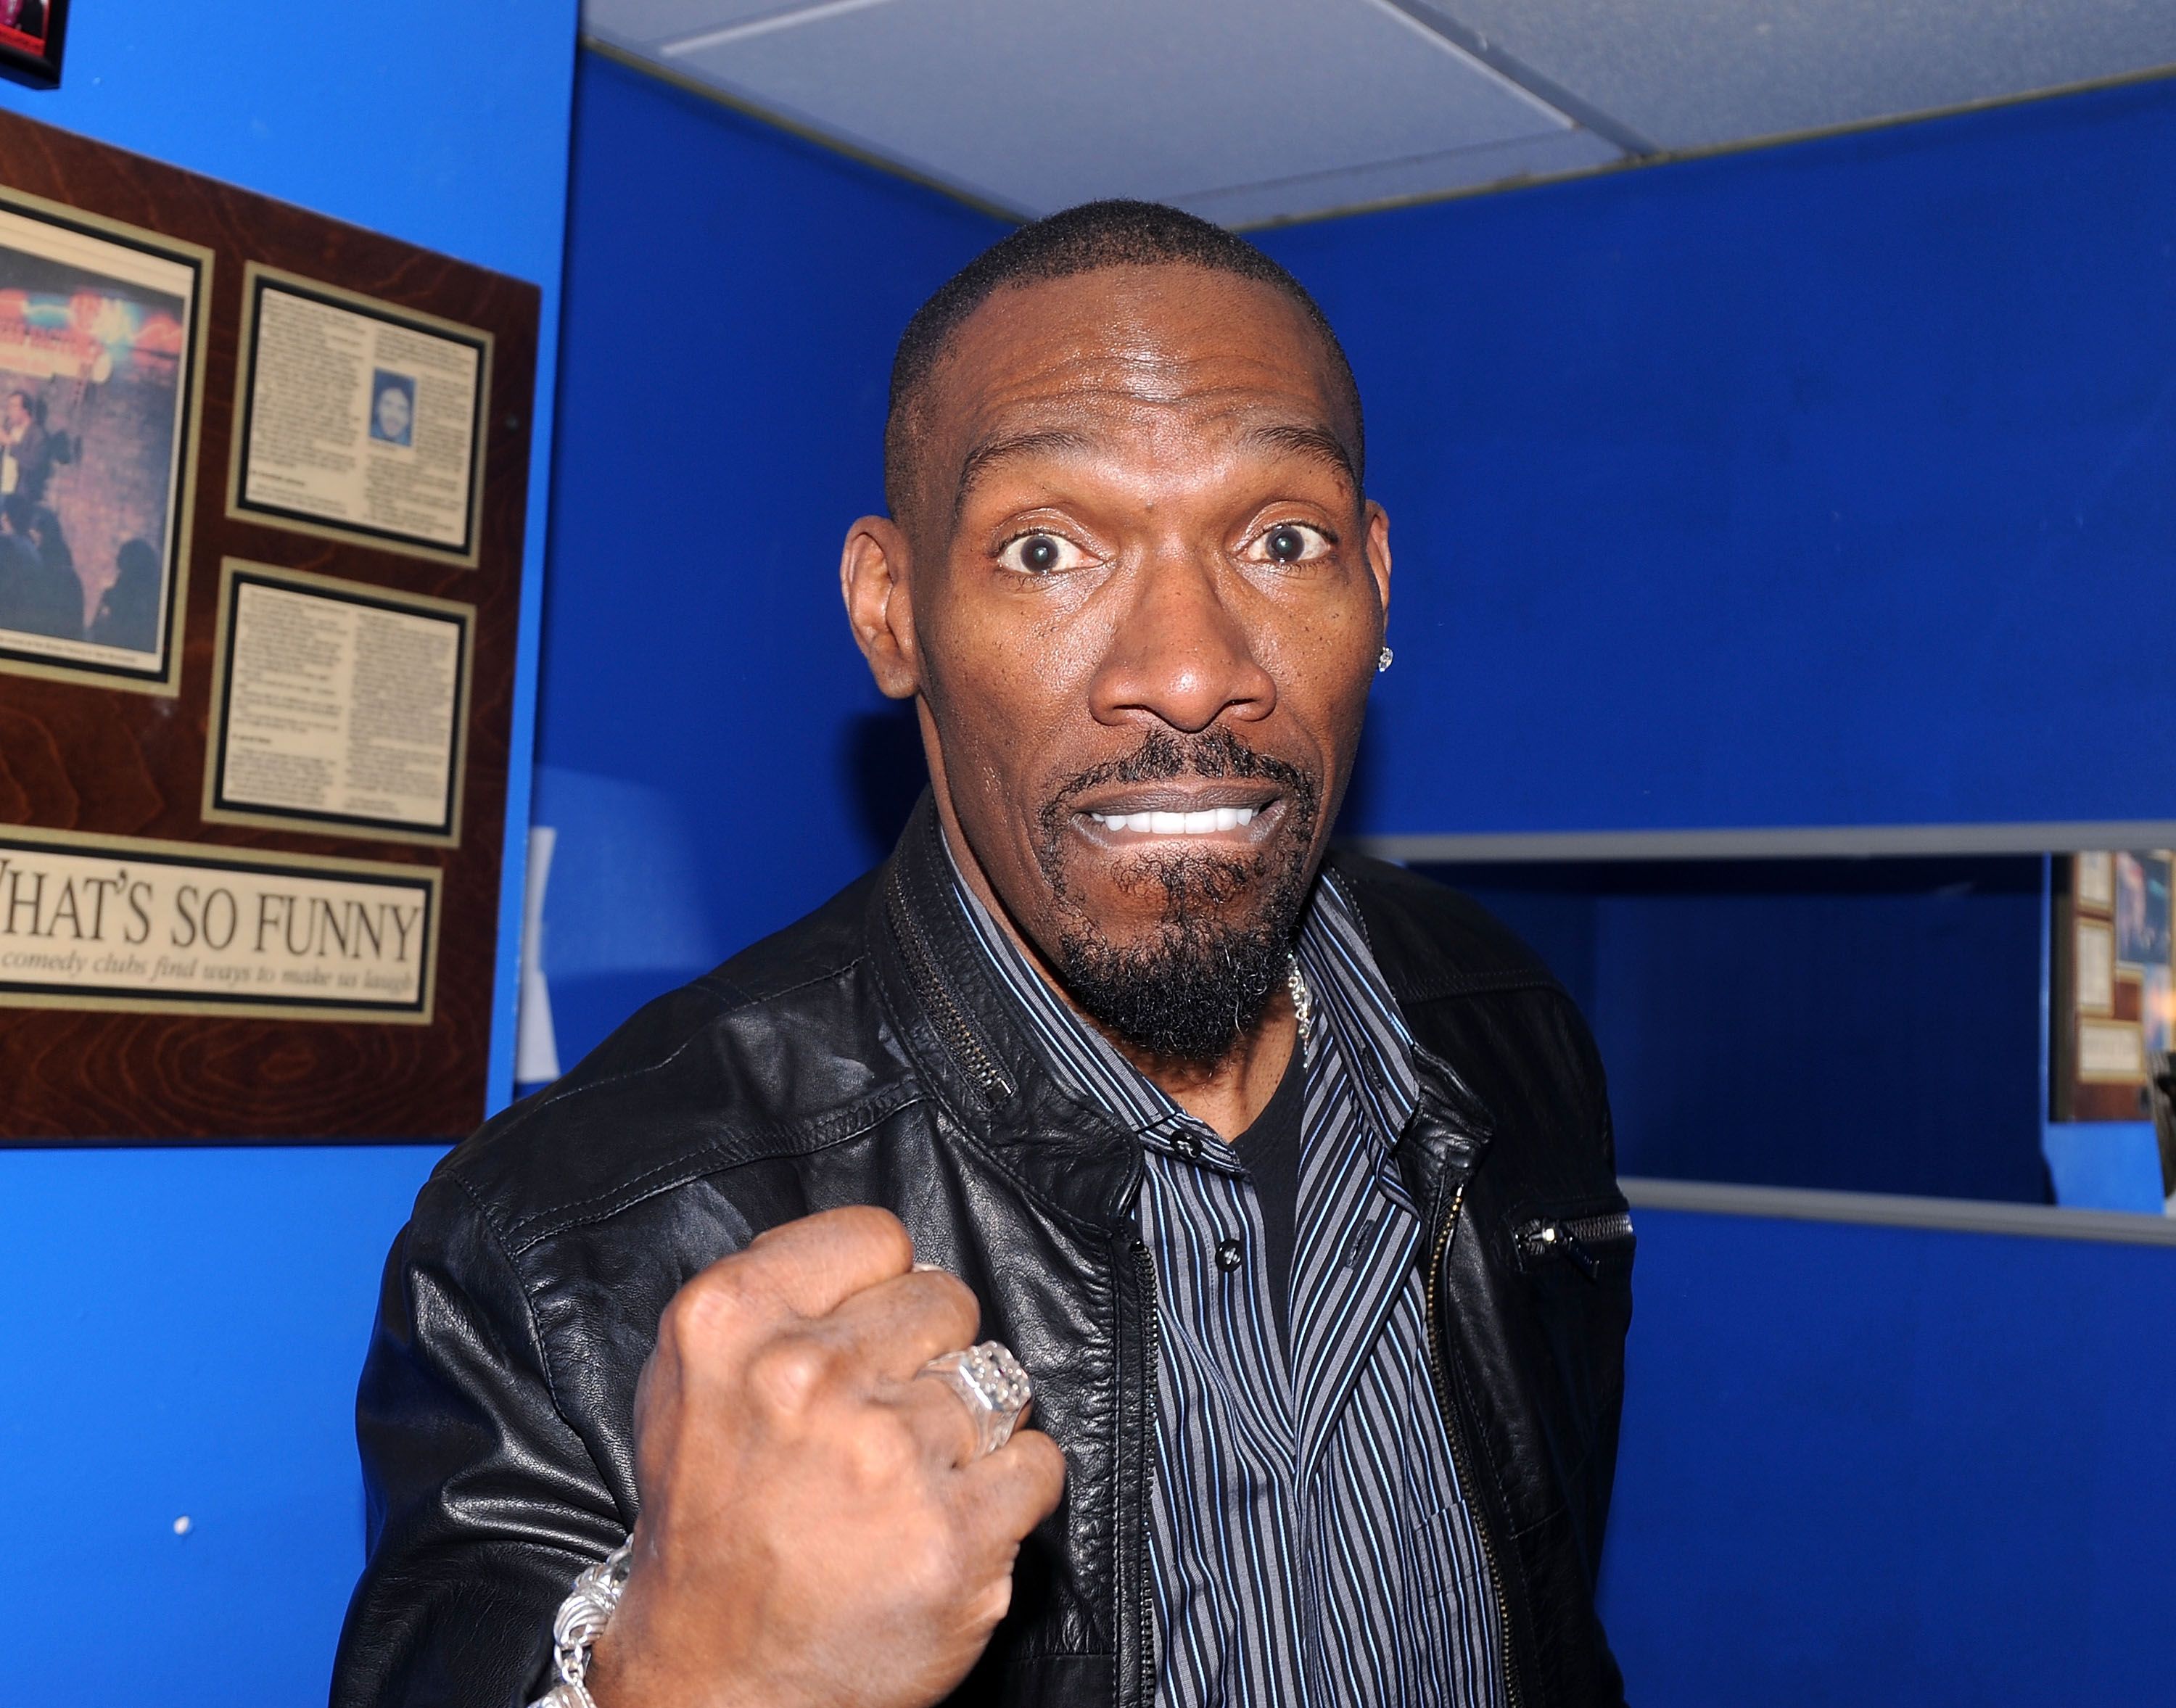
{"type": "Point", "coordinates": [100, 343]}
{"type": "Point", "coordinates": [359, 420]}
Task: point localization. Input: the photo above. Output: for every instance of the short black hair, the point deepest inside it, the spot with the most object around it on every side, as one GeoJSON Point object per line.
{"type": "Point", "coordinates": [1084, 239]}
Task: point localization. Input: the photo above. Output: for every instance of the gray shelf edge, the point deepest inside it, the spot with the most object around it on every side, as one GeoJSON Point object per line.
{"type": "Point", "coordinates": [1824, 840]}
{"type": "Point", "coordinates": [1884, 1210]}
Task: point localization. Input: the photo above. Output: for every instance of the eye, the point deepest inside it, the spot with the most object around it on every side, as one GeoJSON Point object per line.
{"type": "Point", "coordinates": [1291, 543]}
{"type": "Point", "coordinates": [1040, 554]}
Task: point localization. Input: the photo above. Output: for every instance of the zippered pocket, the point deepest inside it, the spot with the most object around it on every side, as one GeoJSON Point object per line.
{"type": "Point", "coordinates": [1588, 1244]}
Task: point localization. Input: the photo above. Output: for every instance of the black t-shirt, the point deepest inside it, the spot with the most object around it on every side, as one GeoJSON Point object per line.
{"type": "Point", "coordinates": [1270, 1149]}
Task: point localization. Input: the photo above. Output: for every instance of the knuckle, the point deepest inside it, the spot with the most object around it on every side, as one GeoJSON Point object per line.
{"type": "Point", "coordinates": [709, 1306]}
{"type": "Point", "coordinates": [957, 1298]}
{"type": "Point", "coordinates": [788, 1374]}
{"type": "Point", "coordinates": [883, 1232]}
{"type": "Point", "coordinates": [882, 1452]}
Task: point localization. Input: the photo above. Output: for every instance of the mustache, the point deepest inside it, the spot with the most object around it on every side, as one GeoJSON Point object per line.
{"type": "Point", "coordinates": [1164, 754]}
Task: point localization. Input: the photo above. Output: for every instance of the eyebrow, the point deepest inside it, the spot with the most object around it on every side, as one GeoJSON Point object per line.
{"type": "Point", "coordinates": [988, 454]}
{"type": "Point", "coordinates": [1317, 443]}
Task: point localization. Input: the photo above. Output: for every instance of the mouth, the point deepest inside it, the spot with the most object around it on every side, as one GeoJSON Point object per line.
{"type": "Point", "coordinates": [1240, 815]}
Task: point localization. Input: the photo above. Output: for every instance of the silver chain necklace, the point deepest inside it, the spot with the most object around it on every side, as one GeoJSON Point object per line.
{"type": "Point", "coordinates": [1303, 1000]}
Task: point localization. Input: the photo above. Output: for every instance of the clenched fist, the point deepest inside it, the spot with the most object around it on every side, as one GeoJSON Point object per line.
{"type": "Point", "coordinates": [816, 1530]}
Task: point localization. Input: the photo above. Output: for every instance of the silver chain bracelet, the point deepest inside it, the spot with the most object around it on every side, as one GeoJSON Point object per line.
{"type": "Point", "coordinates": [581, 1620]}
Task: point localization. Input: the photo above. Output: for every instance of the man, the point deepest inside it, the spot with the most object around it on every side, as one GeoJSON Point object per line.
{"type": "Point", "coordinates": [1289, 1183]}
{"type": "Point", "coordinates": [392, 416]}
{"type": "Point", "coordinates": [26, 450]}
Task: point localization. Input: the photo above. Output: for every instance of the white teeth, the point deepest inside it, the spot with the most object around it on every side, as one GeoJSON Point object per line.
{"type": "Point", "coordinates": [1207, 822]}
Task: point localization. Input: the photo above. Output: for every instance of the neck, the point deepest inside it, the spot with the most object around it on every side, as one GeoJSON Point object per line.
{"type": "Point", "coordinates": [1225, 1096]}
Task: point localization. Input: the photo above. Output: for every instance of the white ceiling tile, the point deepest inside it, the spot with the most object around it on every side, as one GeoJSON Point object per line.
{"type": "Point", "coordinates": [1387, 181]}
{"type": "Point", "coordinates": [1038, 104]}
{"type": "Point", "coordinates": [1692, 73]}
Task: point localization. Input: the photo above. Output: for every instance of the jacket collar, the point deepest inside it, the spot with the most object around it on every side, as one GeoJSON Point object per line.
{"type": "Point", "coordinates": [965, 1035]}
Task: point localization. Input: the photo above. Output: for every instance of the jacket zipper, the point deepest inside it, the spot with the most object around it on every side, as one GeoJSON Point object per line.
{"type": "Point", "coordinates": [1576, 1238]}
{"type": "Point", "coordinates": [1459, 1460]}
{"type": "Point", "coordinates": [1145, 1261]}
{"type": "Point", "coordinates": [958, 1032]}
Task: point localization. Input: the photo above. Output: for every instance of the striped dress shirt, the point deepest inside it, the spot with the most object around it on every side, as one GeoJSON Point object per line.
{"type": "Point", "coordinates": [1309, 1544]}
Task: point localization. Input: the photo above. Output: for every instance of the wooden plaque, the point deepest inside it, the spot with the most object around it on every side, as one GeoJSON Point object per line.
{"type": "Point", "coordinates": [186, 952]}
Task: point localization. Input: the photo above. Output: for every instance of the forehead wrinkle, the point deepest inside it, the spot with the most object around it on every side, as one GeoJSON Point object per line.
{"type": "Point", "coordinates": [1191, 448]}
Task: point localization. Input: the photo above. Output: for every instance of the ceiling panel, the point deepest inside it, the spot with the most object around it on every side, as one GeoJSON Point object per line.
{"type": "Point", "coordinates": [1249, 111]}
{"type": "Point", "coordinates": [1037, 104]}
{"type": "Point", "coordinates": [1390, 181]}
{"type": "Point", "coordinates": [1688, 74]}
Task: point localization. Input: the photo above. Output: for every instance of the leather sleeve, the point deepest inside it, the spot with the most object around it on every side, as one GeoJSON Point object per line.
{"type": "Point", "coordinates": [483, 1502]}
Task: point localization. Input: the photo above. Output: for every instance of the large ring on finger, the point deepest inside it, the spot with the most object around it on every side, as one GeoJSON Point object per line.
{"type": "Point", "coordinates": [991, 1385]}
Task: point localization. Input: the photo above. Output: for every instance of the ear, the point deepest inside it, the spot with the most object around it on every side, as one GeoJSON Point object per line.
{"type": "Point", "coordinates": [1379, 553]}
{"type": "Point", "coordinates": [873, 576]}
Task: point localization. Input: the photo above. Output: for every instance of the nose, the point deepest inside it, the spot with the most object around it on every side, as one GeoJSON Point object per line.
{"type": "Point", "coordinates": [1179, 654]}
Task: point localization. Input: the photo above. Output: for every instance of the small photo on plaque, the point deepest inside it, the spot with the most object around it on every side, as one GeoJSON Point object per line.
{"type": "Point", "coordinates": [99, 335]}
{"type": "Point", "coordinates": [338, 707]}
{"type": "Point", "coordinates": [358, 419]}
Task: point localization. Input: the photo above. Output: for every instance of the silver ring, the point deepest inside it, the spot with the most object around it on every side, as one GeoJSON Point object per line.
{"type": "Point", "coordinates": [991, 1385]}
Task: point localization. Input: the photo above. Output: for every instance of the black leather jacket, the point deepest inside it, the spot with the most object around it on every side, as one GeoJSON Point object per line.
{"type": "Point", "coordinates": [866, 1056]}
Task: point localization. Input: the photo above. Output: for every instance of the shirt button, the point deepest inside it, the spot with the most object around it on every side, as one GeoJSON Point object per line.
{"type": "Point", "coordinates": [1228, 1253]}
{"type": "Point", "coordinates": [1187, 1145]}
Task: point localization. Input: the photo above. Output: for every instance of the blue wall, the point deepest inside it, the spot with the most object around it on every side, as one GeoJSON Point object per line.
{"type": "Point", "coordinates": [715, 759]}
{"type": "Point", "coordinates": [186, 1327]}
{"type": "Point", "coordinates": [1858, 1026]}
{"type": "Point", "coordinates": [1868, 1464]}
{"type": "Point", "coordinates": [1829, 484]}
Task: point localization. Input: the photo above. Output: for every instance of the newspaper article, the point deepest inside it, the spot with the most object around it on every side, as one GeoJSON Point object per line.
{"type": "Point", "coordinates": [340, 705]}
{"type": "Point", "coordinates": [361, 420]}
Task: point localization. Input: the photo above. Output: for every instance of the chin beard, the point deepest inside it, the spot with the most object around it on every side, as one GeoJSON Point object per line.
{"type": "Point", "coordinates": [1204, 978]}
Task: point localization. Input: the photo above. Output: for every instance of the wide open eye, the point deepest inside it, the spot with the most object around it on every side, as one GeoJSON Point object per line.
{"type": "Point", "coordinates": [1040, 554]}
{"type": "Point", "coordinates": [1290, 542]}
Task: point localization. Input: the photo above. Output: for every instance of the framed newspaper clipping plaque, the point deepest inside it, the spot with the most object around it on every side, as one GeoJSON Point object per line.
{"type": "Point", "coordinates": [253, 796]}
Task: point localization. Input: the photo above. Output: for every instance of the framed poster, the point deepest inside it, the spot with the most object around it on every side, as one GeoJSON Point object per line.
{"type": "Point", "coordinates": [356, 418]}
{"type": "Point", "coordinates": [337, 706]}
{"type": "Point", "coordinates": [101, 347]}
{"type": "Point", "coordinates": [31, 34]}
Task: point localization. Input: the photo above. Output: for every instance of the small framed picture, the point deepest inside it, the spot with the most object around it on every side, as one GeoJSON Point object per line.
{"type": "Point", "coordinates": [30, 32]}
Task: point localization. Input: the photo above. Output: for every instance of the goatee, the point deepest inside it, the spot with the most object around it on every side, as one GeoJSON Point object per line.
{"type": "Point", "coordinates": [1202, 980]}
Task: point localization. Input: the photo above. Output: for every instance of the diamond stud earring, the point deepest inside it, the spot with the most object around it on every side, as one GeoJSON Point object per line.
{"type": "Point", "coordinates": [1382, 660]}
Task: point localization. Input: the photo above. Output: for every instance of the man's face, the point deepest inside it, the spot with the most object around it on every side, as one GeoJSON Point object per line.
{"type": "Point", "coordinates": [392, 413]}
{"type": "Point", "coordinates": [17, 416]}
{"type": "Point", "coordinates": [1144, 601]}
